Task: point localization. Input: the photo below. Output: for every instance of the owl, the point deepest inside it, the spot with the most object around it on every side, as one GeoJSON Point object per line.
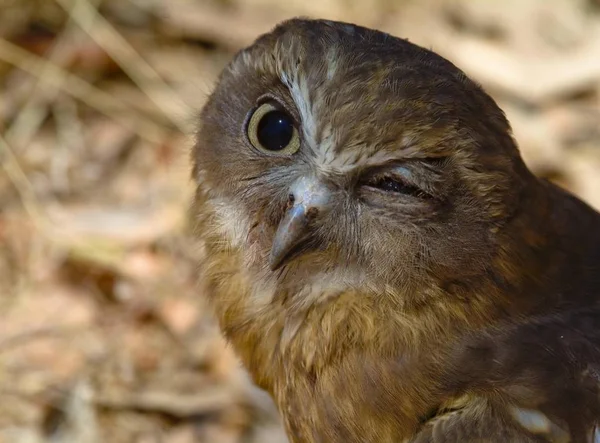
{"type": "Point", "coordinates": [380, 257]}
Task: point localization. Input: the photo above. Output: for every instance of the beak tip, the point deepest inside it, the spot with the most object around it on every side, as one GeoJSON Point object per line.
{"type": "Point", "coordinates": [291, 232]}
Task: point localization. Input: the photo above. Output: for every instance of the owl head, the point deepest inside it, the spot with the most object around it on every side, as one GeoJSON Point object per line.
{"type": "Point", "coordinates": [333, 156]}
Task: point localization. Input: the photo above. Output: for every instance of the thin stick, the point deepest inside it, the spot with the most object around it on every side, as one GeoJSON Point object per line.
{"type": "Point", "coordinates": [33, 112]}
{"type": "Point", "coordinates": [82, 90]}
{"type": "Point", "coordinates": [19, 179]}
{"type": "Point", "coordinates": [140, 71]}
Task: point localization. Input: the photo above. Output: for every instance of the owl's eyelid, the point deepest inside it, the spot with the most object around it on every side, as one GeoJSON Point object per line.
{"type": "Point", "coordinates": [393, 169]}
{"type": "Point", "coordinates": [412, 170]}
{"type": "Point", "coordinates": [278, 104]}
{"type": "Point", "coordinates": [402, 171]}
{"type": "Point", "coordinates": [269, 98]}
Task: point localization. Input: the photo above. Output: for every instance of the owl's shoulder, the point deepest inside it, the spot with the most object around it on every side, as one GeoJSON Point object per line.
{"type": "Point", "coordinates": [541, 375]}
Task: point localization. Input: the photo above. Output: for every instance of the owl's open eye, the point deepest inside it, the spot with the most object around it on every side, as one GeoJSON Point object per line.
{"type": "Point", "coordinates": [272, 130]}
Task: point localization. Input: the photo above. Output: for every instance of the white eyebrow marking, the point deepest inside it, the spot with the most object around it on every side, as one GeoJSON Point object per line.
{"type": "Point", "coordinates": [300, 91]}
{"type": "Point", "coordinates": [328, 159]}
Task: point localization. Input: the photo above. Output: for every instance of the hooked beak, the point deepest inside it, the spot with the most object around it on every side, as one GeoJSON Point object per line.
{"type": "Point", "coordinates": [308, 199]}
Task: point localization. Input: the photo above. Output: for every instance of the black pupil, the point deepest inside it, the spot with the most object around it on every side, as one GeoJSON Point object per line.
{"type": "Point", "coordinates": [275, 130]}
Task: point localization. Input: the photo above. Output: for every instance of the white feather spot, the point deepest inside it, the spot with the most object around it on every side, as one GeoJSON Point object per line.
{"type": "Point", "coordinates": [231, 223]}
{"type": "Point", "coordinates": [538, 423]}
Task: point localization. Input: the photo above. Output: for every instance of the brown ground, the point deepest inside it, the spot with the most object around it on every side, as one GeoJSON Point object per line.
{"type": "Point", "coordinates": [104, 336]}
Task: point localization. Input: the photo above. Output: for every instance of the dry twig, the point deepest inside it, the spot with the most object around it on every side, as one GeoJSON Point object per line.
{"type": "Point", "coordinates": [145, 77]}
{"type": "Point", "coordinates": [57, 77]}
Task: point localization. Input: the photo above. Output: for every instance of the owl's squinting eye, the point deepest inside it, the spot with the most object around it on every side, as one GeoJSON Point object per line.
{"type": "Point", "coordinates": [388, 184]}
{"type": "Point", "coordinates": [394, 181]}
{"type": "Point", "coordinates": [272, 130]}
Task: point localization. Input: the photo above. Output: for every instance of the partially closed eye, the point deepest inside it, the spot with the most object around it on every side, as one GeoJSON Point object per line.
{"type": "Point", "coordinates": [271, 130]}
{"type": "Point", "coordinates": [393, 181]}
{"type": "Point", "coordinates": [388, 184]}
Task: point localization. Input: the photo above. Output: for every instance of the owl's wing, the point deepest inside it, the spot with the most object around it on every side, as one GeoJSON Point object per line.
{"type": "Point", "coordinates": [479, 423]}
{"type": "Point", "coordinates": [538, 381]}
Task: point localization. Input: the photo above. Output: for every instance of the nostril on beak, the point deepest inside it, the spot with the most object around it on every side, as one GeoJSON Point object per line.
{"type": "Point", "coordinates": [290, 201]}
{"type": "Point", "coordinates": [307, 200]}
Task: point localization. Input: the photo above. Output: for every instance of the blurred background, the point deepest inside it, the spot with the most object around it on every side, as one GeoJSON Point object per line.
{"type": "Point", "coordinates": [104, 336]}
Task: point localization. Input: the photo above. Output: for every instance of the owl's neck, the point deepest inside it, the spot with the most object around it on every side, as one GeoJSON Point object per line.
{"type": "Point", "coordinates": [379, 364]}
